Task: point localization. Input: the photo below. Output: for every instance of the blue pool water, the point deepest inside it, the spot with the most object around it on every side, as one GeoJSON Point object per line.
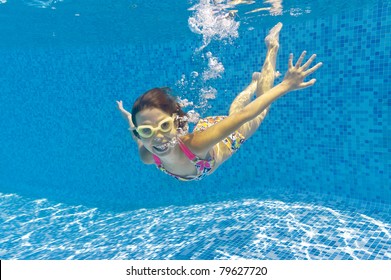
{"type": "Point", "coordinates": [312, 183]}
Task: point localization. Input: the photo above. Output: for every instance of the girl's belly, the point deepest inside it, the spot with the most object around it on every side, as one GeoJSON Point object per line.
{"type": "Point", "coordinates": [220, 153]}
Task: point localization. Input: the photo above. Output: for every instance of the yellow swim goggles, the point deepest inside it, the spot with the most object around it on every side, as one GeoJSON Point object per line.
{"type": "Point", "coordinates": [147, 131]}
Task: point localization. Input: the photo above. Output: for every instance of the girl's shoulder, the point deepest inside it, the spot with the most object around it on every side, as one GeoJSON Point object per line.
{"type": "Point", "coordinates": [190, 141]}
{"type": "Point", "coordinates": [186, 139]}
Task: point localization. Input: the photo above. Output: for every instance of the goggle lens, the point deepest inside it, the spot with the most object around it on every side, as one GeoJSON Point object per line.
{"type": "Point", "coordinates": [147, 131]}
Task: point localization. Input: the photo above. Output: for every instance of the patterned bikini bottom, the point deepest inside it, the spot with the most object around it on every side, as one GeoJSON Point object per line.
{"type": "Point", "coordinates": [233, 141]}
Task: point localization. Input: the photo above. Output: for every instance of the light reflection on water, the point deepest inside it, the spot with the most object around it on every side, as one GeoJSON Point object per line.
{"type": "Point", "coordinates": [244, 229]}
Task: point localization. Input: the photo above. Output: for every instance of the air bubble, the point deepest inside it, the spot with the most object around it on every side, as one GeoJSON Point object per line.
{"type": "Point", "coordinates": [213, 21]}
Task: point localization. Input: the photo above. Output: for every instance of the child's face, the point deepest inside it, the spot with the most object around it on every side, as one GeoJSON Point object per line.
{"type": "Point", "coordinates": [158, 143]}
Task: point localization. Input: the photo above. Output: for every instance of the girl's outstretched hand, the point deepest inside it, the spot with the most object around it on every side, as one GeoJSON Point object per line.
{"type": "Point", "coordinates": [125, 114]}
{"type": "Point", "coordinates": [294, 77]}
{"type": "Point", "coordinates": [120, 106]}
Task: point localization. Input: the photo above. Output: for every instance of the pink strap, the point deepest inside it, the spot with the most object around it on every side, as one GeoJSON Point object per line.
{"type": "Point", "coordinates": [157, 160]}
{"type": "Point", "coordinates": [186, 151]}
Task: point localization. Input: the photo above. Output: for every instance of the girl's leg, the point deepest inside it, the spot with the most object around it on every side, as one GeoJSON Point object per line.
{"type": "Point", "coordinates": [261, 83]}
{"type": "Point", "coordinates": [245, 96]}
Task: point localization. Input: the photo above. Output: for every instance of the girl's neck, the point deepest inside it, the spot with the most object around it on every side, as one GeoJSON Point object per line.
{"type": "Point", "coordinates": [175, 156]}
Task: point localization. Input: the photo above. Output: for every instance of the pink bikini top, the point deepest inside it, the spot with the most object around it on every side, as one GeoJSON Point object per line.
{"type": "Point", "coordinates": [203, 166]}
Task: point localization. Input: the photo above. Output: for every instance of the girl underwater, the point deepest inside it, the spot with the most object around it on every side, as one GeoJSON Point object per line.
{"type": "Point", "coordinates": [159, 125]}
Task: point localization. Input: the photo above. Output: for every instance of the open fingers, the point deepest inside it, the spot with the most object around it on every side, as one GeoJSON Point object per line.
{"type": "Point", "coordinates": [290, 65]}
{"type": "Point", "coordinates": [300, 60]}
{"type": "Point", "coordinates": [120, 105]}
{"type": "Point", "coordinates": [308, 84]}
{"type": "Point", "coordinates": [313, 69]}
{"type": "Point", "coordinates": [308, 63]}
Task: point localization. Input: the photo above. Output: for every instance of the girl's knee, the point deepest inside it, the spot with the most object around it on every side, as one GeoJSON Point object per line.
{"type": "Point", "coordinates": [248, 129]}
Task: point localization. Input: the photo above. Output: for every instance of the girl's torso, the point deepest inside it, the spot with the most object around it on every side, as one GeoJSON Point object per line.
{"type": "Point", "coordinates": [188, 165]}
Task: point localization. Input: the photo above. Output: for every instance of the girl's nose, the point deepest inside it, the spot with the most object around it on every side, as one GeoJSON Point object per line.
{"type": "Point", "coordinates": [159, 136]}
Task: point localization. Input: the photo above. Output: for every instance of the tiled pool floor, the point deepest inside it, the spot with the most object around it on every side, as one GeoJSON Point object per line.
{"type": "Point", "coordinates": [242, 229]}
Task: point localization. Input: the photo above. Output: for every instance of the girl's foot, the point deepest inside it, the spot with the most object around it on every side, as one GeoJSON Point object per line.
{"type": "Point", "coordinates": [272, 40]}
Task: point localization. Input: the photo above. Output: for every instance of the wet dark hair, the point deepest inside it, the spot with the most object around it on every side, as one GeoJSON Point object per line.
{"type": "Point", "coordinates": [159, 98]}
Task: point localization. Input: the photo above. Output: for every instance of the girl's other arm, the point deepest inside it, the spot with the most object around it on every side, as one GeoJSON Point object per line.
{"type": "Point", "coordinates": [145, 156]}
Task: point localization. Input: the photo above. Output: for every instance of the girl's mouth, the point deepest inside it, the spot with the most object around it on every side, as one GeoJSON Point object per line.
{"type": "Point", "coordinates": [162, 148]}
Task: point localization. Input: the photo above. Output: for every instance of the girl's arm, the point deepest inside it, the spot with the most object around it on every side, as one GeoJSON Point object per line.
{"type": "Point", "coordinates": [145, 156]}
{"type": "Point", "coordinates": [294, 79]}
